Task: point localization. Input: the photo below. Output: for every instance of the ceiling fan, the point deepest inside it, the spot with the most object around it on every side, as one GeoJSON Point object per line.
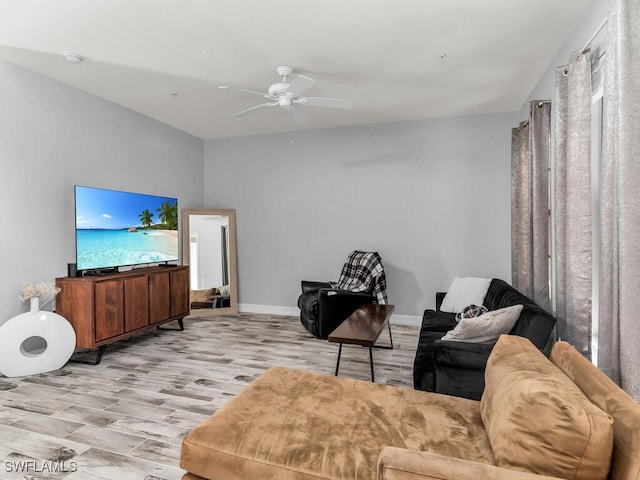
{"type": "Point", "coordinates": [288, 95]}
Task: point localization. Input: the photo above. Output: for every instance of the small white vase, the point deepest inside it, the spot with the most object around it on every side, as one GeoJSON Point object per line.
{"type": "Point", "coordinates": [34, 342]}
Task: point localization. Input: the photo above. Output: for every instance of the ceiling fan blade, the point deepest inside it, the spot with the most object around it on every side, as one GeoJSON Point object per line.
{"type": "Point", "coordinates": [253, 109]}
{"type": "Point", "coordinates": [252, 92]}
{"type": "Point", "coordinates": [299, 85]}
{"type": "Point", "coordinates": [325, 102]}
{"type": "Point", "coordinates": [298, 115]}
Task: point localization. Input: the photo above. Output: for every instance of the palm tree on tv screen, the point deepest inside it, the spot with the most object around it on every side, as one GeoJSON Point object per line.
{"type": "Point", "coordinates": [169, 215]}
{"type": "Point", "coordinates": [145, 218]}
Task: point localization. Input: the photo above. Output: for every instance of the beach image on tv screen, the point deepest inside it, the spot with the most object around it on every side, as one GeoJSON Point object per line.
{"type": "Point", "coordinates": [115, 228]}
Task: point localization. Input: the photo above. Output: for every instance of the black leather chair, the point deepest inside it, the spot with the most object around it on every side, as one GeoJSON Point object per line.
{"type": "Point", "coordinates": [325, 305]}
{"type": "Point", "coordinates": [457, 368]}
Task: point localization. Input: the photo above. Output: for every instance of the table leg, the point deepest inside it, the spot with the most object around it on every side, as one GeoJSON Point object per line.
{"type": "Point", "coordinates": [387, 347]}
{"type": "Point", "coordinates": [371, 363]}
{"type": "Point", "coordinates": [338, 362]}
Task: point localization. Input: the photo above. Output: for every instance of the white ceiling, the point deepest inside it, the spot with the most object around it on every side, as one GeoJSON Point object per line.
{"type": "Point", "coordinates": [384, 55]}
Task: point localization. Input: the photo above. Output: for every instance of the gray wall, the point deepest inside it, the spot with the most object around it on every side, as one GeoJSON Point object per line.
{"type": "Point", "coordinates": [52, 137]}
{"type": "Point", "coordinates": [432, 197]}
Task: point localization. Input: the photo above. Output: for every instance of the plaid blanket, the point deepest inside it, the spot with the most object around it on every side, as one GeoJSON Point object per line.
{"type": "Point", "coordinates": [364, 272]}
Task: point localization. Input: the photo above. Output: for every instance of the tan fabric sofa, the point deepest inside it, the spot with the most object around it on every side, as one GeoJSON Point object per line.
{"type": "Point", "coordinates": [537, 419]}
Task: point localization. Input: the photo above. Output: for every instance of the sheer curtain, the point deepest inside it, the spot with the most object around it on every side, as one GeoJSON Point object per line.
{"type": "Point", "coordinates": [619, 322]}
{"type": "Point", "coordinates": [530, 204]}
{"type": "Point", "coordinates": [572, 203]}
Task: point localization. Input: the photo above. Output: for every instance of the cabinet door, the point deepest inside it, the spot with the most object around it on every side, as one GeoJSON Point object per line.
{"type": "Point", "coordinates": [109, 309]}
{"type": "Point", "coordinates": [75, 303]}
{"type": "Point", "coordinates": [179, 286]}
{"type": "Point", "coordinates": [159, 297]}
{"type": "Point", "coordinates": [136, 303]}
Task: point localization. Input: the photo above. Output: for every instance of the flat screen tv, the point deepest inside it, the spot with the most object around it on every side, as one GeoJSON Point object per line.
{"type": "Point", "coordinates": [115, 229]}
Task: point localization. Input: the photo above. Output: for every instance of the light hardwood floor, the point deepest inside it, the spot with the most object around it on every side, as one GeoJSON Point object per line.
{"type": "Point", "coordinates": [126, 418]}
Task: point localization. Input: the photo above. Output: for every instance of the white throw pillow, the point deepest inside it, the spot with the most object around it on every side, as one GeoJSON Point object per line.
{"type": "Point", "coordinates": [465, 291]}
{"type": "Point", "coordinates": [486, 327]}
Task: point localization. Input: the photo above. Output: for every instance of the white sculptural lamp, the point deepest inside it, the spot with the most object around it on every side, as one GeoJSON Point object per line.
{"type": "Point", "coordinates": [35, 342]}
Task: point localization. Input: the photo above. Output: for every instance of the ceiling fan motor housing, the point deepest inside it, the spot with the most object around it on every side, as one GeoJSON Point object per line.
{"type": "Point", "coordinates": [278, 89]}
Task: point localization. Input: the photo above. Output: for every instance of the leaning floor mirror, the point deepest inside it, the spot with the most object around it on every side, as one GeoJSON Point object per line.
{"type": "Point", "coordinates": [209, 248]}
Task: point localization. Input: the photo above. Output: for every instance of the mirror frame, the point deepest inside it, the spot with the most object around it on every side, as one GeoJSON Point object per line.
{"type": "Point", "coordinates": [233, 274]}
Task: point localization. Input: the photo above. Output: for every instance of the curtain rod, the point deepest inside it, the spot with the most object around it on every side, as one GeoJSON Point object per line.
{"type": "Point", "coordinates": [588, 44]}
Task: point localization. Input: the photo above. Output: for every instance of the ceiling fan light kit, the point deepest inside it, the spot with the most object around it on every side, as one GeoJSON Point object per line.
{"type": "Point", "coordinates": [288, 95]}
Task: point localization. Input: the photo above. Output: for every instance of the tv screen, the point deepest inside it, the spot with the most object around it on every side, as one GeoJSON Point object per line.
{"type": "Point", "coordinates": [115, 228]}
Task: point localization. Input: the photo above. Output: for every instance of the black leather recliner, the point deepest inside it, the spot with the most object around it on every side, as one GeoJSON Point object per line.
{"type": "Point", "coordinates": [457, 368]}
{"type": "Point", "coordinates": [323, 308]}
{"type": "Point", "coordinates": [325, 305]}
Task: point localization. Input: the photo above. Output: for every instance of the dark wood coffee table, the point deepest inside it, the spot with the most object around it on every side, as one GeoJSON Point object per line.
{"type": "Point", "coordinates": [363, 327]}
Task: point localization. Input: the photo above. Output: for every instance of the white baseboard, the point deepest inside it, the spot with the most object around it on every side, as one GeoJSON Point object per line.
{"type": "Point", "coordinates": [268, 309]}
{"type": "Point", "coordinates": [295, 311]}
{"type": "Point", "coordinates": [415, 320]}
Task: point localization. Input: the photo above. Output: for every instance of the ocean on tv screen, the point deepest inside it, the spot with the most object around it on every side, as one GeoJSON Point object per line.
{"type": "Point", "coordinates": [100, 248]}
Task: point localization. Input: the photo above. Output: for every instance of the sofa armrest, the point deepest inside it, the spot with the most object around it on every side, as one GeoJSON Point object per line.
{"type": "Point", "coordinates": [402, 464]}
{"type": "Point", "coordinates": [469, 355]}
{"type": "Point", "coordinates": [311, 286]}
{"type": "Point", "coordinates": [336, 292]}
{"type": "Point", "coordinates": [439, 299]}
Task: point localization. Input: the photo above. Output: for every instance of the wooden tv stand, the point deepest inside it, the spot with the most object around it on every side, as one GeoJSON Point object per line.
{"type": "Point", "coordinates": [105, 309]}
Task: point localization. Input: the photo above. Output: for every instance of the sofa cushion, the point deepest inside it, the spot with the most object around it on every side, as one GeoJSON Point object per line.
{"type": "Point", "coordinates": [485, 328]}
{"type": "Point", "coordinates": [501, 294]}
{"type": "Point", "coordinates": [292, 424]}
{"type": "Point", "coordinates": [464, 291]}
{"type": "Point", "coordinates": [601, 390]}
{"type": "Point", "coordinates": [538, 420]}
{"type": "Point", "coordinates": [200, 296]}
{"type": "Point", "coordinates": [402, 464]}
